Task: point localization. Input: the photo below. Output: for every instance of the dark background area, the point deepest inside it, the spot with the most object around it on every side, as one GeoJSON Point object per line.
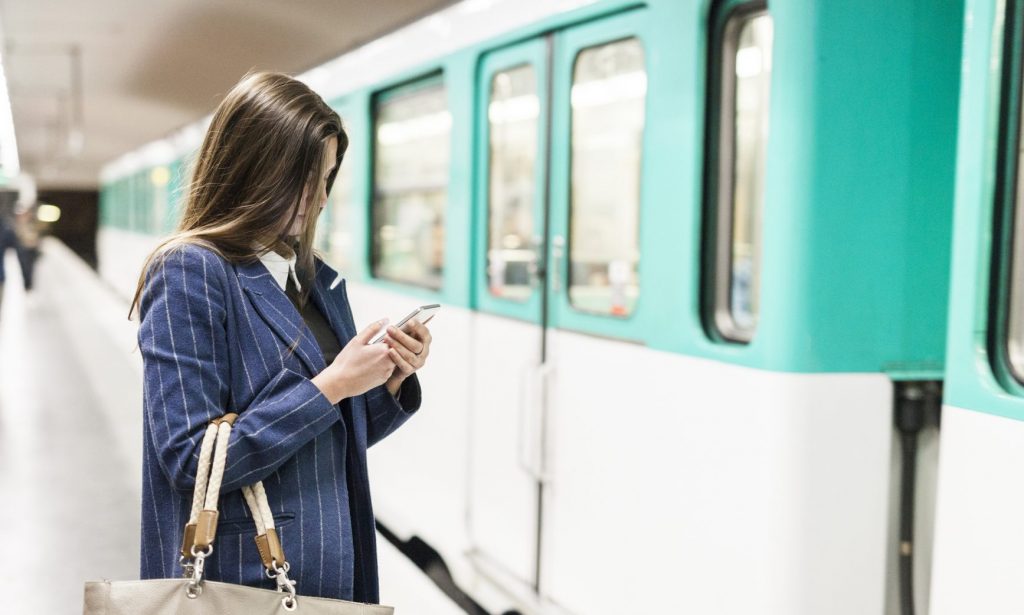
{"type": "Point", "coordinates": [78, 220]}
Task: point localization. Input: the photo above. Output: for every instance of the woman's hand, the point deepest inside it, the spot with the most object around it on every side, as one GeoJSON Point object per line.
{"type": "Point", "coordinates": [409, 349]}
{"type": "Point", "coordinates": [359, 367]}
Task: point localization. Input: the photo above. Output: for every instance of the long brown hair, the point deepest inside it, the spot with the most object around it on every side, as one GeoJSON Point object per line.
{"type": "Point", "coordinates": [263, 152]}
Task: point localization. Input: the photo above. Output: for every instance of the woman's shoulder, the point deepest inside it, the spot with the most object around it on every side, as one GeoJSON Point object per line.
{"type": "Point", "coordinates": [184, 274]}
{"type": "Point", "coordinates": [188, 259]}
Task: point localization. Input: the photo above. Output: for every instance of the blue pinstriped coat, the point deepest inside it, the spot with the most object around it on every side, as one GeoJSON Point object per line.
{"type": "Point", "coordinates": [214, 338]}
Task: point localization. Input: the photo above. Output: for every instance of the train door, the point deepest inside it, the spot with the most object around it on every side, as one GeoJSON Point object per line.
{"type": "Point", "coordinates": [599, 462]}
{"type": "Point", "coordinates": [512, 164]}
{"type": "Point", "coordinates": [560, 130]}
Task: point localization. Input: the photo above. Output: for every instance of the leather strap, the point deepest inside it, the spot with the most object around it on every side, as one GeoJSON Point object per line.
{"type": "Point", "coordinates": [269, 546]}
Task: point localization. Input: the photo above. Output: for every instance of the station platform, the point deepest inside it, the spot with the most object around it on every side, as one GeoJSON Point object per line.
{"type": "Point", "coordinates": [71, 441]}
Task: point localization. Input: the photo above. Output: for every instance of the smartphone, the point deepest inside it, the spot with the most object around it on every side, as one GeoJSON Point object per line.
{"type": "Point", "coordinates": [423, 314]}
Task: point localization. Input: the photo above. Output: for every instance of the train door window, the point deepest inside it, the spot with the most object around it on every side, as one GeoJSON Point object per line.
{"type": "Point", "coordinates": [513, 114]}
{"type": "Point", "coordinates": [608, 95]}
{"type": "Point", "coordinates": [412, 128]}
{"type": "Point", "coordinates": [740, 81]}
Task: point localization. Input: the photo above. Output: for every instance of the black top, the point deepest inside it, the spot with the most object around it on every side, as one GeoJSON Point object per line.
{"type": "Point", "coordinates": [314, 319]}
{"type": "Point", "coordinates": [329, 345]}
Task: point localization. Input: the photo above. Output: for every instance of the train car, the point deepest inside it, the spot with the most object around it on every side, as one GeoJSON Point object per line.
{"type": "Point", "coordinates": [978, 563]}
{"type": "Point", "coordinates": [694, 261]}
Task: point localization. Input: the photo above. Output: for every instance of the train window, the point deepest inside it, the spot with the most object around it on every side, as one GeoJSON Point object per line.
{"type": "Point", "coordinates": [159, 178]}
{"type": "Point", "coordinates": [738, 105]}
{"type": "Point", "coordinates": [412, 129]}
{"type": "Point", "coordinates": [1015, 314]}
{"type": "Point", "coordinates": [512, 115]}
{"type": "Point", "coordinates": [1015, 317]}
{"type": "Point", "coordinates": [334, 232]}
{"type": "Point", "coordinates": [739, 97]}
{"type": "Point", "coordinates": [1006, 305]}
{"type": "Point", "coordinates": [132, 204]}
{"type": "Point", "coordinates": [140, 202]}
{"type": "Point", "coordinates": [176, 190]}
{"type": "Point", "coordinates": [608, 95]}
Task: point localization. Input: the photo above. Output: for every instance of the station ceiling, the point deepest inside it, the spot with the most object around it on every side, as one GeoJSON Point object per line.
{"type": "Point", "coordinates": [92, 79]}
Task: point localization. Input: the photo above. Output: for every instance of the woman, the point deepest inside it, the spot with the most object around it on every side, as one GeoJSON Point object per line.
{"type": "Point", "coordinates": [238, 315]}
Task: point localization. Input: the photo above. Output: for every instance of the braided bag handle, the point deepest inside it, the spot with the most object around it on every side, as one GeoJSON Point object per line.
{"type": "Point", "coordinates": [201, 528]}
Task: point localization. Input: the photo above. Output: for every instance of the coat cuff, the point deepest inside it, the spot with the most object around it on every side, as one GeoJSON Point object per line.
{"type": "Point", "coordinates": [409, 395]}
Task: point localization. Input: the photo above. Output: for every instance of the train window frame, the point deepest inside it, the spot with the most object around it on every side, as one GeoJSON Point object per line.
{"type": "Point", "coordinates": [377, 99]}
{"type": "Point", "coordinates": [1007, 248]}
{"type": "Point", "coordinates": [726, 23]}
{"type": "Point", "coordinates": [571, 205]}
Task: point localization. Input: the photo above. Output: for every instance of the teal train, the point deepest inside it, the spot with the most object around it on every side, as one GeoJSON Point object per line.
{"type": "Point", "coordinates": [733, 298]}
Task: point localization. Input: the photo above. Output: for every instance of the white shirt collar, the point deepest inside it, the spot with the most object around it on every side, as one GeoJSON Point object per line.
{"type": "Point", "coordinates": [280, 267]}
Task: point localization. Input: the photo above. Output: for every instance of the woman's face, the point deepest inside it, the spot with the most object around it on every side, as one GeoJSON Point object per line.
{"type": "Point", "coordinates": [307, 204]}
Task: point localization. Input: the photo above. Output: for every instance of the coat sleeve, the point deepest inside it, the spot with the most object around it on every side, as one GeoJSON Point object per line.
{"type": "Point", "coordinates": [384, 412]}
{"type": "Point", "coordinates": [184, 343]}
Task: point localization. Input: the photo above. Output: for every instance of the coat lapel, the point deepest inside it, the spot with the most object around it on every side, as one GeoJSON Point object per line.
{"type": "Point", "coordinates": [326, 299]}
{"type": "Point", "coordinates": [274, 307]}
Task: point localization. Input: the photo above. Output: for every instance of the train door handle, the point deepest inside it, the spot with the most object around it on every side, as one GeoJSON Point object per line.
{"type": "Point", "coordinates": [536, 268]}
{"type": "Point", "coordinates": [546, 373]}
{"type": "Point", "coordinates": [532, 409]}
{"type": "Point", "coordinates": [527, 402]}
{"type": "Point", "coordinates": [557, 254]}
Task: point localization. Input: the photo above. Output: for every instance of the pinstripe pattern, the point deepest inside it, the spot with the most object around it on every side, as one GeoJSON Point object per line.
{"type": "Point", "coordinates": [214, 338]}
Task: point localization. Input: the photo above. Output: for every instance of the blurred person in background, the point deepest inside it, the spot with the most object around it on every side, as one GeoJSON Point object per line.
{"type": "Point", "coordinates": [238, 315]}
{"type": "Point", "coordinates": [26, 228]}
{"type": "Point", "coordinates": [8, 239]}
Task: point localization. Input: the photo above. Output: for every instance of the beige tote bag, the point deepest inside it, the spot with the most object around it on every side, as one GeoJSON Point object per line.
{"type": "Point", "coordinates": [193, 595]}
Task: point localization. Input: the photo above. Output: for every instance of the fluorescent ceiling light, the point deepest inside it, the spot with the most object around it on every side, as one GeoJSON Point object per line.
{"type": "Point", "coordinates": [8, 144]}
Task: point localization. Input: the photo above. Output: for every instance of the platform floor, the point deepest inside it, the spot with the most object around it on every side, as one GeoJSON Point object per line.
{"type": "Point", "coordinates": [70, 508]}
{"type": "Point", "coordinates": [69, 474]}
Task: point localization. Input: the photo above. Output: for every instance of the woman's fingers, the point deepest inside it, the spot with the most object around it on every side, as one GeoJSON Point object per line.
{"type": "Point", "coordinates": [410, 357]}
{"type": "Point", "coordinates": [401, 362]}
{"type": "Point", "coordinates": [408, 350]}
{"type": "Point", "coordinates": [421, 332]}
{"type": "Point", "coordinates": [403, 338]}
